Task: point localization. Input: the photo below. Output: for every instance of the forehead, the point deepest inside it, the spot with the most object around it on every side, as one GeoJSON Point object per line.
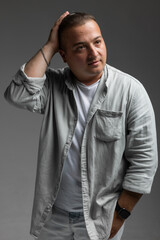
{"type": "Point", "coordinates": [83, 33]}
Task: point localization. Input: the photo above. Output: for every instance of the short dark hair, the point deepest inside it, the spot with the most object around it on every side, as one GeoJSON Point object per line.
{"type": "Point", "coordinates": [72, 20]}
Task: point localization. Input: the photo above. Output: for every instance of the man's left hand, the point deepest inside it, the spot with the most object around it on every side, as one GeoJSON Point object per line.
{"type": "Point", "coordinates": [116, 225]}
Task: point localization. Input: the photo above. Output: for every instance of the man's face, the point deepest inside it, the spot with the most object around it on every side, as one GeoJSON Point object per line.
{"type": "Point", "coordinates": [84, 51]}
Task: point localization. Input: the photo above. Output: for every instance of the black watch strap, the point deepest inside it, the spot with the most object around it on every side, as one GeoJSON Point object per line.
{"type": "Point", "coordinates": [122, 212]}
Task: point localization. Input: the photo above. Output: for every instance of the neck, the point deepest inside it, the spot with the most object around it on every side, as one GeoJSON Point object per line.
{"type": "Point", "coordinates": [90, 81]}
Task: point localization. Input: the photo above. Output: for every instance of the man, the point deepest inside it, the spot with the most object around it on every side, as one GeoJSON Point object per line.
{"type": "Point", "coordinates": [97, 153]}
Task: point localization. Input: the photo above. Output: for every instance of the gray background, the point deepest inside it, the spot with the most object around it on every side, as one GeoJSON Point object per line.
{"type": "Point", "coordinates": [132, 34]}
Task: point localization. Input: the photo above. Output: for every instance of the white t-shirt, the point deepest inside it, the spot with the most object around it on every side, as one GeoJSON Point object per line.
{"type": "Point", "coordinates": [70, 193]}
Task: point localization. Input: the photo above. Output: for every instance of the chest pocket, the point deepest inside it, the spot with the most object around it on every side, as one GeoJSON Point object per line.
{"type": "Point", "coordinates": [108, 125]}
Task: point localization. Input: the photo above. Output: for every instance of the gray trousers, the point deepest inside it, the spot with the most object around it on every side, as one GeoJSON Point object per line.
{"type": "Point", "coordinates": [67, 226]}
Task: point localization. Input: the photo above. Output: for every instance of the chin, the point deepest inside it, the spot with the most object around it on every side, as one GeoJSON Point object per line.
{"type": "Point", "coordinates": [97, 72]}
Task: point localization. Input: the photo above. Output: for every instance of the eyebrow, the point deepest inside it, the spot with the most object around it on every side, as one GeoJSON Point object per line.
{"type": "Point", "coordinates": [79, 43]}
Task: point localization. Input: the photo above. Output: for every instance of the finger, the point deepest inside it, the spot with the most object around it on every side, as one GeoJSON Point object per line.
{"type": "Point", "coordinates": [111, 236]}
{"type": "Point", "coordinates": [58, 22]}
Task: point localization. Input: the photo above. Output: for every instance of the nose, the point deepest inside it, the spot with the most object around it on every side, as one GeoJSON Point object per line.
{"type": "Point", "coordinates": [92, 51]}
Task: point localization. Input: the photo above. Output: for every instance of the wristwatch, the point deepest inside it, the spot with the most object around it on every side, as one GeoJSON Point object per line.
{"type": "Point", "coordinates": [122, 212]}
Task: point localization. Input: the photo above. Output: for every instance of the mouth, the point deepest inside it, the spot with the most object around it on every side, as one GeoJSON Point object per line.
{"type": "Point", "coordinates": [94, 63]}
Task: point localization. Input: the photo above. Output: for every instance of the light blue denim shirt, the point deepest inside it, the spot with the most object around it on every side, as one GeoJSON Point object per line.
{"type": "Point", "coordinates": [119, 147]}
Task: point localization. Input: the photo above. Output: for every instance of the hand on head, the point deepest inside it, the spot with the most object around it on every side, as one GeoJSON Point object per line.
{"type": "Point", "coordinates": [53, 37]}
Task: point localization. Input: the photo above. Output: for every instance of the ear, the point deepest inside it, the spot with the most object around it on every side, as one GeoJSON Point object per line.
{"type": "Point", "coordinates": [63, 55]}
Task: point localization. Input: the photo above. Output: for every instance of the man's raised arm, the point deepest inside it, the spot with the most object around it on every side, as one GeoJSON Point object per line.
{"type": "Point", "coordinates": [29, 90]}
{"type": "Point", "coordinates": [37, 65]}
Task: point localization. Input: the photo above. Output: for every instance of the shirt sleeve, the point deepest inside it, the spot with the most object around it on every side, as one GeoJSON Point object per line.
{"type": "Point", "coordinates": [141, 143]}
{"type": "Point", "coordinates": [27, 92]}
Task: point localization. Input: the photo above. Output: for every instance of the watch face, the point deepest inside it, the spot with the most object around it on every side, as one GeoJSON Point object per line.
{"type": "Point", "coordinates": [123, 213]}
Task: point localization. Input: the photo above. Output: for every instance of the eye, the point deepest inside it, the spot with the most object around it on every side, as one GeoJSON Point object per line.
{"type": "Point", "coordinates": [80, 48]}
{"type": "Point", "coordinates": [97, 42]}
